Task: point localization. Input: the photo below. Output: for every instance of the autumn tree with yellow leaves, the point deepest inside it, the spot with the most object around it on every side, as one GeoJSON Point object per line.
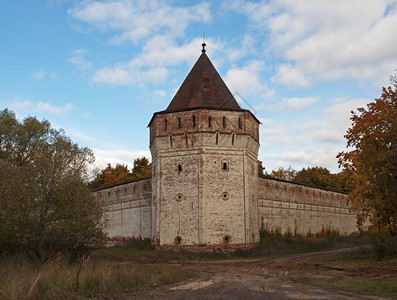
{"type": "Point", "coordinates": [372, 162]}
{"type": "Point", "coordinates": [120, 173]}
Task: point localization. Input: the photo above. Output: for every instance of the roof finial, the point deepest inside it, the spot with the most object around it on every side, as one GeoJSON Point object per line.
{"type": "Point", "coordinates": [203, 44]}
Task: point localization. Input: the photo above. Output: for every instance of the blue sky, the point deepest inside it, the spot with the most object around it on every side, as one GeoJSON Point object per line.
{"type": "Point", "coordinates": [100, 69]}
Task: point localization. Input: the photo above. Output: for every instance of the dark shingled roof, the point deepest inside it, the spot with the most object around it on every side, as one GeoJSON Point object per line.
{"type": "Point", "coordinates": [203, 88]}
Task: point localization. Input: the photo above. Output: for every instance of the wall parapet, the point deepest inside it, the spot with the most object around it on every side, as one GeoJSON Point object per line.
{"type": "Point", "coordinates": [303, 209]}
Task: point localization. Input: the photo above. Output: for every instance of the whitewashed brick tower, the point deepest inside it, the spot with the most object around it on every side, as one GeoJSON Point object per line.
{"type": "Point", "coordinates": [205, 165]}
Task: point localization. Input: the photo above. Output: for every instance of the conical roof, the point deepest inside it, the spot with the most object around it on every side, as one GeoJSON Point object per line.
{"type": "Point", "coordinates": [203, 88]}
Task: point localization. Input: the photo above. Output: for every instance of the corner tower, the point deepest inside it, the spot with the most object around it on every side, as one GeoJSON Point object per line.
{"type": "Point", "coordinates": [205, 165]}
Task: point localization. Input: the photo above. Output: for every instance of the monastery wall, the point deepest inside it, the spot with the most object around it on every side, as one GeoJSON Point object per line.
{"type": "Point", "coordinates": [281, 205]}
{"type": "Point", "coordinates": [302, 209]}
{"type": "Point", "coordinates": [128, 208]}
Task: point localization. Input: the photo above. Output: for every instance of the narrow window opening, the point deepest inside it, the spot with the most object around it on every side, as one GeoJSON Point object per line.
{"type": "Point", "coordinates": [224, 166]}
{"type": "Point", "coordinates": [179, 168]}
{"type": "Point", "coordinates": [171, 140]}
{"type": "Point", "coordinates": [194, 121]}
{"type": "Point", "coordinates": [224, 122]}
{"type": "Point", "coordinates": [217, 138]}
{"type": "Point", "coordinates": [179, 122]}
{"type": "Point", "coordinates": [239, 123]}
{"type": "Point", "coordinates": [232, 139]}
{"type": "Point", "coordinates": [165, 124]}
{"type": "Point", "coordinates": [209, 121]}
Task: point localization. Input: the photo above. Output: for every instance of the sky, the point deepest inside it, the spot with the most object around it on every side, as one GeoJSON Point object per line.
{"type": "Point", "coordinates": [100, 69]}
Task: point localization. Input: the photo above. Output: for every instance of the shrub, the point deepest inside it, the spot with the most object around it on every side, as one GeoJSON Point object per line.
{"type": "Point", "coordinates": [384, 245]}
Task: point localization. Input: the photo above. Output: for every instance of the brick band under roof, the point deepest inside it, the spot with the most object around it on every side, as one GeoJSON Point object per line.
{"type": "Point", "coordinates": [203, 88]}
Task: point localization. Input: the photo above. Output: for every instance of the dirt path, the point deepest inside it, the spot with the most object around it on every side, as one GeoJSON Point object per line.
{"type": "Point", "coordinates": [260, 279]}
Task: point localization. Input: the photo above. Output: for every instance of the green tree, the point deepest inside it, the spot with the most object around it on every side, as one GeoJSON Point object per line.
{"type": "Point", "coordinates": [45, 204]}
{"type": "Point", "coordinates": [373, 161]}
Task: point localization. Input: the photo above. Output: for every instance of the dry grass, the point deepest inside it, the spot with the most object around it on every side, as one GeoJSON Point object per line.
{"type": "Point", "coordinates": [20, 279]}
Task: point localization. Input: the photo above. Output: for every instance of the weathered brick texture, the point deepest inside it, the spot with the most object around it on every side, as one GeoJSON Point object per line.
{"type": "Point", "coordinates": [300, 209]}
{"type": "Point", "coordinates": [205, 177]}
{"type": "Point", "coordinates": [128, 208]}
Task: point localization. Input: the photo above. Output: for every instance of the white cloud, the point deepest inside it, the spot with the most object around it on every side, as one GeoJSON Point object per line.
{"type": "Point", "coordinates": [103, 157]}
{"type": "Point", "coordinates": [290, 76]}
{"type": "Point", "coordinates": [42, 107]}
{"type": "Point", "coordinates": [310, 138]}
{"type": "Point", "coordinates": [159, 93]}
{"type": "Point", "coordinates": [24, 105]}
{"type": "Point", "coordinates": [79, 61]}
{"type": "Point", "coordinates": [151, 66]}
{"type": "Point", "coordinates": [136, 20]}
{"type": "Point", "coordinates": [39, 75]}
{"type": "Point", "coordinates": [246, 81]}
{"type": "Point", "coordinates": [122, 75]}
{"type": "Point", "coordinates": [114, 76]}
{"type": "Point", "coordinates": [328, 39]}
{"type": "Point", "coordinates": [154, 24]}
{"type": "Point", "coordinates": [297, 104]}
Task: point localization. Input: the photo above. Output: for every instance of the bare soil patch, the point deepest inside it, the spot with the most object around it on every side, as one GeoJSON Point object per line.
{"type": "Point", "coordinates": [302, 276]}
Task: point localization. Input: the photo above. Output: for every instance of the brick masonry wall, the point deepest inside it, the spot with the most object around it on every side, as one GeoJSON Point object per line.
{"type": "Point", "coordinates": [204, 161]}
{"type": "Point", "coordinates": [203, 120]}
{"type": "Point", "coordinates": [283, 205]}
{"type": "Point", "coordinates": [128, 208]}
{"type": "Point", "coordinates": [301, 209]}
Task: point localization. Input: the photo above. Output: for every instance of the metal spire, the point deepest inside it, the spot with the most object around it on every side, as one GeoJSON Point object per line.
{"type": "Point", "coordinates": [203, 44]}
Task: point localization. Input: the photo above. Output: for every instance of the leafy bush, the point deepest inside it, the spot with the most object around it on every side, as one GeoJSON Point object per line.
{"type": "Point", "coordinates": [384, 245]}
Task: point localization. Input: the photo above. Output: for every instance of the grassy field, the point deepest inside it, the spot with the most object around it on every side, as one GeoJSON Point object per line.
{"type": "Point", "coordinates": [359, 272]}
